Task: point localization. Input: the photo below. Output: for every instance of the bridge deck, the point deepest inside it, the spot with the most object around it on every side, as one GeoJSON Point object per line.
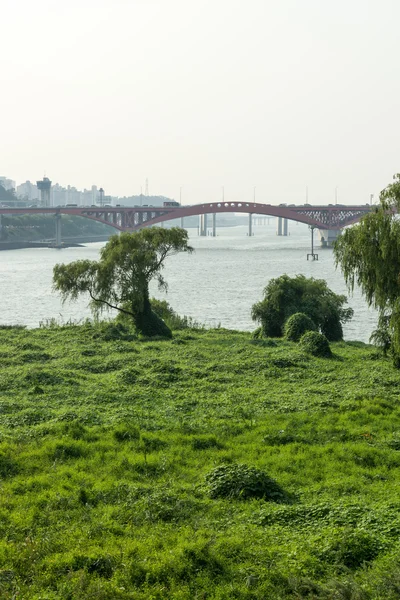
{"type": "Point", "coordinates": [128, 218]}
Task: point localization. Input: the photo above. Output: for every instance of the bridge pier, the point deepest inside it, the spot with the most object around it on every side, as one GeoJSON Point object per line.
{"type": "Point", "coordinates": [1, 229]}
{"type": "Point", "coordinates": [182, 223]}
{"type": "Point", "coordinates": [250, 224]}
{"type": "Point", "coordinates": [311, 255]}
{"type": "Point", "coordinates": [58, 241]}
{"type": "Point", "coordinates": [203, 225]}
{"type": "Point", "coordinates": [282, 226]}
{"type": "Point", "coordinates": [214, 224]}
{"type": "Point", "coordinates": [328, 237]}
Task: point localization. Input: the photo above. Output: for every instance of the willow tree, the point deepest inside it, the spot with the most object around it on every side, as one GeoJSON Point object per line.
{"type": "Point", "coordinates": [369, 255]}
{"type": "Point", "coordinates": [120, 279]}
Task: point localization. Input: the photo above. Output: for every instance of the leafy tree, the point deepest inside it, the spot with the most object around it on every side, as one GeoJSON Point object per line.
{"type": "Point", "coordinates": [369, 256]}
{"type": "Point", "coordinates": [120, 279]}
{"type": "Point", "coordinates": [285, 296]}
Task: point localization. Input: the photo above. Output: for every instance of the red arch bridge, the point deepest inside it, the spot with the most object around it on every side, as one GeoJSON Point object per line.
{"type": "Point", "coordinates": [328, 220]}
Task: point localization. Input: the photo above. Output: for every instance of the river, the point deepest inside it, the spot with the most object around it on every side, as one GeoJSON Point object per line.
{"type": "Point", "coordinates": [215, 285]}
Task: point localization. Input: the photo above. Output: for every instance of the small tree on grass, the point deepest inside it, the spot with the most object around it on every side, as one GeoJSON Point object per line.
{"type": "Point", "coordinates": [120, 279]}
{"type": "Point", "coordinates": [285, 296]}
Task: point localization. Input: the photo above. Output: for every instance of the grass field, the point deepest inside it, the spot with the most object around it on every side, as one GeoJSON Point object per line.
{"type": "Point", "coordinates": [211, 466]}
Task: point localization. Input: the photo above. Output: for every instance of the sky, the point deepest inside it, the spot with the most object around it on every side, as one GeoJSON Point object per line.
{"type": "Point", "coordinates": [264, 97]}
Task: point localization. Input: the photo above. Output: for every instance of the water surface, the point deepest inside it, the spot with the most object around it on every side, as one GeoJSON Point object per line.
{"type": "Point", "coordinates": [215, 285]}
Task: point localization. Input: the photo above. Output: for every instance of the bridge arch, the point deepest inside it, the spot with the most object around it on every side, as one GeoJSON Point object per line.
{"type": "Point", "coordinates": [235, 207]}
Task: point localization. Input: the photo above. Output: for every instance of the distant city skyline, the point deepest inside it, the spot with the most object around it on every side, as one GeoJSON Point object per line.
{"type": "Point", "coordinates": [70, 194]}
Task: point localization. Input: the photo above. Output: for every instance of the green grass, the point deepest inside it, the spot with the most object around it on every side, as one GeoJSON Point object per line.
{"type": "Point", "coordinates": [110, 449]}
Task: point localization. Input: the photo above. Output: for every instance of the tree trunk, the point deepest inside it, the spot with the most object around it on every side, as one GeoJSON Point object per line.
{"type": "Point", "coordinates": [147, 323]}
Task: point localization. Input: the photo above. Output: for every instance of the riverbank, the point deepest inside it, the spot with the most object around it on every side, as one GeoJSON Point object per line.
{"type": "Point", "coordinates": [109, 450]}
{"type": "Point", "coordinates": [49, 244]}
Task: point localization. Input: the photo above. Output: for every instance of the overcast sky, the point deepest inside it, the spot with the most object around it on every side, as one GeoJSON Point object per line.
{"type": "Point", "coordinates": [200, 94]}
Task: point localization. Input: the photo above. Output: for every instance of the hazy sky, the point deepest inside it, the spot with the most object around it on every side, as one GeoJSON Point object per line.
{"type": "Point", "coordinates": [200, 94]}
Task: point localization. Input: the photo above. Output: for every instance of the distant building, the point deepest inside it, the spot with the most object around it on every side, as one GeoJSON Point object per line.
{"type": "Point", "coordinates": [28, 191]}
{"type": "Point", "coordinates": [58, 195]}
{"type": "Point", "coordinates": [44, 186]}
{"type": "Point", "coordinates": [73, 196]}
{"type": "Point", "coordinates": [94, 194]}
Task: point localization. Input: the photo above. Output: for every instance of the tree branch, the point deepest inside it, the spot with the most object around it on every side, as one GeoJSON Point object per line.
{"type": "Point", "coordinates": [127, 312]}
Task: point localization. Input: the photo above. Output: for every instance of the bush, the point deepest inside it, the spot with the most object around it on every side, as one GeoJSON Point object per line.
{"type": "Point", "coordinates": [285, 296]}
{"type": "Point", "coordinates": [174, 321]}
{"type": "Point", "coordinates": [257, 334]}
{"type": "Point", "coordinates": [297, 325]}
{"type": "Point", "coordinates": [316, 344]}
{"type": "Point", "coordinates": [242, 482]}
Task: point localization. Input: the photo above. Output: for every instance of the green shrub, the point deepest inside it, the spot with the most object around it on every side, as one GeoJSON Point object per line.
{"type": "Point", "coordinates": [258, 337]}
{"type": "Point", "coordinates": [242, 482]}
{"type": "Point", "coordinates": [257, 333]}
{"type": "Point", "coordinates": [174, 321]}
{"type": "Point", "coordinates": [316, 344]}
{"type": "Point", "coordinates": [285, 296]}
{"type": "Point", "coordinates": [297, 325]}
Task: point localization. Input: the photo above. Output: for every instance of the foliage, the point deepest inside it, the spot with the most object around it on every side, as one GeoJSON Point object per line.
{"type": "Point", "coordinates": [174, 321]}
{"type": "Point", "coordinates": [165, 312]}
{"type": "Point", "coordinates": [351, 549]}
{"type": "Point", "coordinates": [315, 343]}
{"type": "Point", "coordinates": [285, 296]}
{"type": "Point", "coordinates": [242, 482]}
{"type": "Point", "coordinates": [120, 279]}
{"type": "Point", "coordinates": [103, 472]}
{"type": "Point", "coordinates": [28, 227]}
{"type": "Point", "coordinates": [298, 324]}
{"type": "Point", "coordinates": [381, 336]}
{"type": "Point", "coordinates": [369, 256]}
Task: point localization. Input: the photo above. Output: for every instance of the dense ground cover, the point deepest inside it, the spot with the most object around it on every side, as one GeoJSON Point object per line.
{"type": "Point", "coordinates": [121, 476]}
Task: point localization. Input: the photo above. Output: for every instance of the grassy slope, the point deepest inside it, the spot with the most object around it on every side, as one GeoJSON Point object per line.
{"type": "Point", "coordinates": [90, 510]}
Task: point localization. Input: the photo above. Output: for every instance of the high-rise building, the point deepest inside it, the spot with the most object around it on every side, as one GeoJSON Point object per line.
{"type": "Point", "coordinates": [28, 191]}
{"type": "Point", "coordinates": [44, 186]}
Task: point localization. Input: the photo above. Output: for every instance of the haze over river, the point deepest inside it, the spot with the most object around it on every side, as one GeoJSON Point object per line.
{"type": "Point", "coordinates": [217, 284]}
